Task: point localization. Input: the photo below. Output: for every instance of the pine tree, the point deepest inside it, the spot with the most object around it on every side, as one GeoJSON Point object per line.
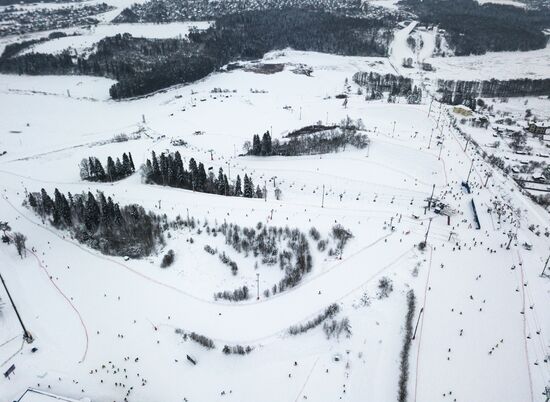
{"type": "Point", "coordinates": [156, 168]}
{"type": "Point", "coordinates": [126, 167]}
{"type": "Point", "coordinates": [91, 213]}
{"type": "Point", "coordinates": [238, 185]}
{"type": "Point", "coordinates": [248, 187]}
{"type": "Point", "coordinates": [119, 169]}
{"type": "Point", "coordinates": [201, 181]}
{"type": "Point", "coordinates": [111, 169]}
{"type": "Point", "coordinates": [256, 145]}
{"type": "Point", "coordinates": [131, 162]}
{"type": "Point", "coordinates": [266, 144]}
{"type": "Point", "coordinates": [99, 170]}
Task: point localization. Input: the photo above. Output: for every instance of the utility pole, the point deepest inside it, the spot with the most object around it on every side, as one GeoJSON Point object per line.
{"type": "Point", "coordinates": [511, 236]}
{"type": "Point", "coordinates": [431, 197]}
{"type": "Point", "coordinates": [265, 190]}
{"type": "Point", "coordinates": [417, 321]}
{"type": "Point", "coordinates": [393, 133]}
{"type": "Point", "coordinates": [229, 169]}
{"type": "Point", "coordinates": [440, 149]}
{"type": "Point", "coordinates": [428, 231]}
{"type": "Point", "coordinates": [430, 143]}
{"type": "Point", "coordinates": [429, 110]}
{"type": "Point", "coordinates": [26, 334]}
{"type": "Point", "coordinates": [545, 265]}
{"type": "Point", "coordinates": [323, 198]}
{"type": "Point", "coordinates": [300, 113]}
{"type": "Point", "coordinates": [257, 286]}
{"type": "Point", "coordinates": [470, 172]}
{"type": "Point", "coordinates": [467, 142]}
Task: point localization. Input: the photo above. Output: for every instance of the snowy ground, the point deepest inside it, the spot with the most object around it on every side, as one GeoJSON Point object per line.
{"type": "Point", "coordinates": [88, 37]}
{"type": "Point", "coordinates": [483, 334]}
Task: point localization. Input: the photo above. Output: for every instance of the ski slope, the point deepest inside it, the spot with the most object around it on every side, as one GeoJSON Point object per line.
{"type": "Point", "coordinates": [103, 324]}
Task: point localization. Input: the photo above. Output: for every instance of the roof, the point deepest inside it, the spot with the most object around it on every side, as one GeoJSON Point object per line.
{"type": "Point", "coordinates": [34, 395]}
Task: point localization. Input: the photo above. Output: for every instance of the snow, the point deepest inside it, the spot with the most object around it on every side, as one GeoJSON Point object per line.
{"type": "Point", "coordinates": [504, 2]}
{"type": "Point", "coordinates": [92, 312]}
{"type": "Point", "coordinates": [89, 36]}
{"type": "Point", "coordinates": [499, 65]}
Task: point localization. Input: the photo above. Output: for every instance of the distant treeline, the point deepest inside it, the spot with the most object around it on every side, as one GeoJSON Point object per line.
{"type": "Point", "coordinates": [168, 170]}
{"type": "Point", "coordinates": [455, 92]}
{"type": "Point", "coordinates": [101, 223]}
{"type": "Point", "coordinates": [473, 28]}
{"type": "Point", "coordinates": [12, 49]}
{"type": "Point", "coordinates": [142, 65]}
{"type": "Point", "coordinates": [91, 168]}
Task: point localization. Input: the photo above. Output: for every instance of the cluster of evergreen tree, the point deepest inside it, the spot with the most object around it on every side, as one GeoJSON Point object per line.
{"type": "Point", "coordinates": [91, 168]}
{"type": "Point", "coordinates": [142, 66]}
{"type": "Point", "coordinates": [456, 92]}
{"type": "Point", "coordinates": [332, 140]}
{"type": "Point", "coordinates": [168, 170]}
{"type": "Point", "coordinates": [101, 223]}
{"type": "Point", "coordinates": [236, 295]}
{"type": "Point", "coordinates": [474, 28]}
{"type": "Point", "coordinates": [376, 84]}
{"type": "Point", "coordinates": [237, 350]}
{"type": "Point", "coordinates": [263, 147]}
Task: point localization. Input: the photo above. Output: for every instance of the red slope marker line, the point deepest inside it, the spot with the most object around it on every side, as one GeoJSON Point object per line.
{"type": "Point", "coordinates": [65, 297]}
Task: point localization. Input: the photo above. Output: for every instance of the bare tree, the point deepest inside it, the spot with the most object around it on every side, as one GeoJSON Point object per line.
{"type": "Point", "coordinates": [19, 240]}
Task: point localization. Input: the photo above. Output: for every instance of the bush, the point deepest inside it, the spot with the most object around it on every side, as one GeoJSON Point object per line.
{"type": "Point", "coordinates": [168, 259]}
{"type": "Point", "coordinates": [236, 295]}
{"type": "Point", "coordinates": [209, 249]}
{"type": "Point", "coordinates": [237, 350]}
{"type": "Point", "coordinates": [329, 312]}
{"type": "Point", "coordinates": [335, 328]}
{"type": "Point", "coordinates": [385, 287]}
{"type": "Point", "coordinates": [202, 340]}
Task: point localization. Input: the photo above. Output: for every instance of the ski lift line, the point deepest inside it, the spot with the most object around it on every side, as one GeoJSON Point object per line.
{"type": "Point", "coordinates": [525, 327]}
{"type": "Point", "coordinates": [538, 328]}
{"type": "Point", "coordinates": [422, 323]}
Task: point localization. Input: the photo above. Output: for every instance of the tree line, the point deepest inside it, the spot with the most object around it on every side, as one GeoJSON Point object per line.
{"type": "Point", "coordinates": [91, 168]}
{"type": "Point", "coordinates": [101, 223]}
{"type": "Point", "coordinates": [142, 66]}
{"type": "Point", "coordinates": [168, 170]}
{"type": "Point", "coordinates": [456, 92]}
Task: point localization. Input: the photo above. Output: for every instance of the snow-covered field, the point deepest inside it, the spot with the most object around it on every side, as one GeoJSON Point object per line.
{"type": "Point", "coordinates": [502, 65]}
{"type": "Point", "coordinates": [88, 37]}
{"type": "Point", "coordinates": [102, 324]}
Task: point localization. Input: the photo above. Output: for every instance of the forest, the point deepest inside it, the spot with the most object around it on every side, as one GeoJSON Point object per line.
{"type": "Point", "coordinates": [101, 223]}
{"type": "Point", "coordinates": [168, 170]}
{"type": "Point", "coordinates": [144, 65]}
{"type": "Point", "coordinates": [473, 28]}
